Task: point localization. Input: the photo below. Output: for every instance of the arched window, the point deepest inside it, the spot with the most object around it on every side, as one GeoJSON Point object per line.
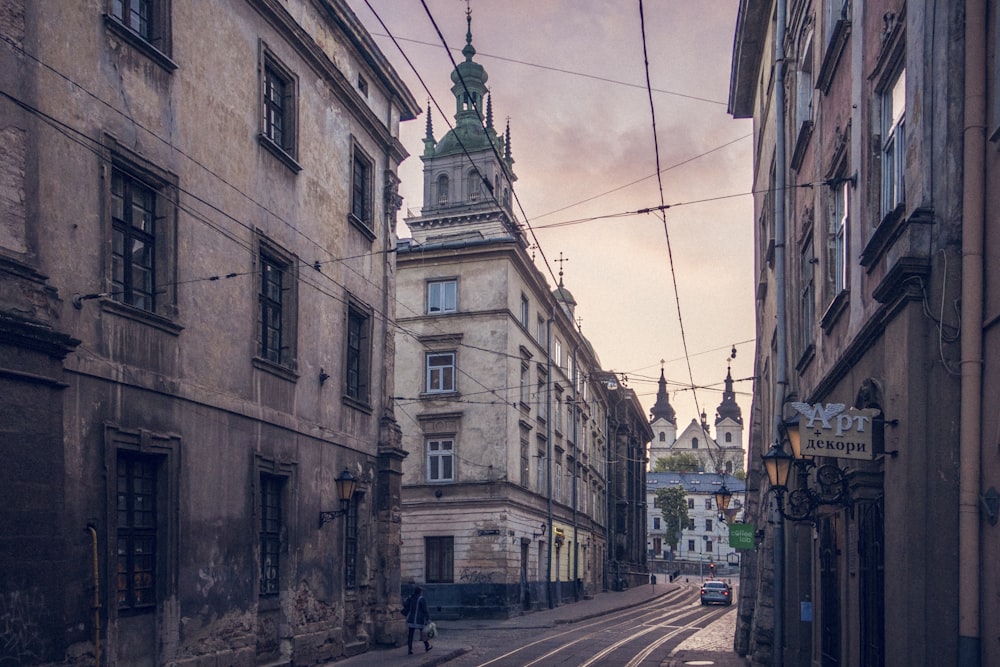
{"type": "Point", "coordinates": [442, 189]}
{"type": "Point", "coordinates": [663, 436]}
{"type": "Point", "coordinates": [694, 443]}
{"type": "Point", "coordinates": [729, 437]}
{"type": "Point", "coordinates": [473, 186]}
{"type": "Point", "coordinates": [729, 467]}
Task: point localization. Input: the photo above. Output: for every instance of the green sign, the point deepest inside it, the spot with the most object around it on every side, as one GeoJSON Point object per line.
{"type": "Point", "coordinates": [741, 536]}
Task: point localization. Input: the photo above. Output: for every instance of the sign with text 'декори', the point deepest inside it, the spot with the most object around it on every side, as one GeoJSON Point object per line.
{"type": "Point", "coordinates": [832, 430]}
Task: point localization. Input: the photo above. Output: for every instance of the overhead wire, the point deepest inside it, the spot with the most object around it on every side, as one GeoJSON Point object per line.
{"type": "Point", "coordinates": [666, 229]}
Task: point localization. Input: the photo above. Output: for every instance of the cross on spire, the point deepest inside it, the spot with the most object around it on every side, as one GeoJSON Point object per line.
{"type": "Point", "coordinates": [561, 260]}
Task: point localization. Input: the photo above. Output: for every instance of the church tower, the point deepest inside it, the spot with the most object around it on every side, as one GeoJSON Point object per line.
{"type": "Point", "coordinates": [468, 174]}
{"type": "Point", "coordinates": [729, 427]}
{"type": "Point", "coordinates": [663, 419]}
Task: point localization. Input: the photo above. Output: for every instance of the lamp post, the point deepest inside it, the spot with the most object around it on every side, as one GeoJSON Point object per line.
{"type": "Point", "coordinates": [346, 483]}
{"type": "Point", "coordinates": [723, 496]}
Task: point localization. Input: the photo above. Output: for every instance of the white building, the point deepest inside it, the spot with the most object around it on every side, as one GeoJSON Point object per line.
{"type": "Point", "coordinates": [704, 542]}
{"type": "Point", "coordinates": [723, 453]}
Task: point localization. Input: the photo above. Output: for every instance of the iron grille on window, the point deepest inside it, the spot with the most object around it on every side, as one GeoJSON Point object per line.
{"type": "Point", "coordinates": [270, 533]}
{"type": "Point", "coordinates": [133, 241]}
{"type": "Point", "coordinates": [136, 568]}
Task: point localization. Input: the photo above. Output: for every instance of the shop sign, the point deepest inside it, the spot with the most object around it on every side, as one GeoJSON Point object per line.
{"type": "Point", "coordinates": [741, 536]}
{"type": "Point", "coordinates": [837, 431]}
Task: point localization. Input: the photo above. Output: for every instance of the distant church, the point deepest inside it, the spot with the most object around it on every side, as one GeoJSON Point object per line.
{"type": "Point", "coordinates": [724, 453]}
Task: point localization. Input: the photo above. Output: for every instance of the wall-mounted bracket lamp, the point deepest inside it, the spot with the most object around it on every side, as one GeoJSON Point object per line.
{"type": "Point", "coordinates": [346, 483]}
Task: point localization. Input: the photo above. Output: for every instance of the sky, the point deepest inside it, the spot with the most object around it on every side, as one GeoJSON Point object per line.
{"type": "Point", "coordinates": [570, 77]}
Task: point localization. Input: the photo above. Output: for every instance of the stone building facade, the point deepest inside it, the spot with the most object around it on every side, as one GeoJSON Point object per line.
{"type": "Point", "coordinates": [513, 433]}
{"type": "Point", "coordinates": [196, 209]}
{"type": "Point", "coordinates": [871, 153]}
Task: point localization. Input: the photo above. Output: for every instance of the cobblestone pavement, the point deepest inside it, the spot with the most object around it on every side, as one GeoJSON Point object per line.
{"type": "Point", "coordinates": [713, 644]}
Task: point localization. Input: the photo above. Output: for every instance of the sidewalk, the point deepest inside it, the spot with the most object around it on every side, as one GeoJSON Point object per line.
{"type": "Point", "coordinates": [451, 641]}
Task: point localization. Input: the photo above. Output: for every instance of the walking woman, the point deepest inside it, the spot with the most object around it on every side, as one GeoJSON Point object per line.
{"type": "Point", "coordinates": [417, 617]}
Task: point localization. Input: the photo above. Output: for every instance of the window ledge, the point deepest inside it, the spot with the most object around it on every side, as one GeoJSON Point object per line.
{"type": "Point", "coordinates": [140, 43]}
{"type": "Point", "coordinates": [139, 315]}
{"type": "Point", "coordinates": [431, 395]}
{"type": "Point", "coordinates": [807, 356]}
{"type": "Point", "coordinates": [279, 153]}
{"type": "Point", "coordinates": [831, 58]}
{"type": "Point", "coordinates": [801, 143]}
{"type": "Point", "coordinates": [361, 226]}
{"type": "Point", "coordinates": [359, 405]}
{"type": "Point", "coordinates": [283, 372]}
{"type": "Point", "coordinates": [837, 307]}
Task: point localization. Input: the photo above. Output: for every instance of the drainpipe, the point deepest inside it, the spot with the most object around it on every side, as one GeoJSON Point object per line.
{"type": "Point", "coordinates": [576, 473]}
{"type": "Point", "coordinates": [970, 436]}
{"type": "Point", "coordinates": [548, 450]}
{"type": "Point", "coordinates": [97, 595]}
{"type": "Point", "coordinates": [781, 361]}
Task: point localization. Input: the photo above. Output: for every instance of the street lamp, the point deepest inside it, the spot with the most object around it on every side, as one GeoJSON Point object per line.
{"type": "Point", "coordinates": [346, 483]}
{"type": "Point", "coordinates": [830, 480]}
{"type": "Point", "coordinates": [723, 496]}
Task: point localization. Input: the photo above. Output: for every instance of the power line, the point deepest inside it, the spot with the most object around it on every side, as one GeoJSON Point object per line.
{"type": "Point", "coordinates": [566, 71]}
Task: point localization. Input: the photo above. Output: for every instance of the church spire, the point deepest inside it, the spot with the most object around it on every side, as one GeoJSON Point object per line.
{"type": "Point", "coordinates": [662, 407]}
{"type": "Point", "coordinates": [729, 409]}
{"type": "Point", "coordinates": [429, 141]}
{"type": "Point", "coordinates": [507, 157]}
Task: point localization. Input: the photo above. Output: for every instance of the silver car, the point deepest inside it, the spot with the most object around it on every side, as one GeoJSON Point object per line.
{"type": "Point", "coordinates": [716, 592]}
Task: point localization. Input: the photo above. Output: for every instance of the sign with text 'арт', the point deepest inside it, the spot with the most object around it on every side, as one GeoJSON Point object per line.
{"type": "Point", "coordinates": [834, 430]}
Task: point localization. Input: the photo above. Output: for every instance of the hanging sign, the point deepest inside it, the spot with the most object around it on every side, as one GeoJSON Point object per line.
{"type": "Point", "coordinates": [837, 431]}
{"type": "Point", "coordinates": [741, 536]}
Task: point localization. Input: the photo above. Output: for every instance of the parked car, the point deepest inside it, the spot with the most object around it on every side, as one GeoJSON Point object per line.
{"type": "Point", "coordinates": [716, 592]}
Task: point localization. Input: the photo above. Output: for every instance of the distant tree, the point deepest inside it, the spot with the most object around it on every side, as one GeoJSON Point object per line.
{"type": "Point", "coordinates": [672, 502]}
{"type": "Point", "coordinates": [679, 462]}
{"type": "Point", "coordinates": [740, 475]}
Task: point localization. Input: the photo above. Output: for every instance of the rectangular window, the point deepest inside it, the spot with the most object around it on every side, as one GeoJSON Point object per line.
{"type": "Point", "coordinates": [691, 545]}
{"type": "Point", "coordinates": [525, 387]}
{"type": "Point", "coordinates": [524, 311]}
{"type": "Point", "coordinates": [690, 503]}
{"type": "Point", "coordinates": [271, 300]}
{"type": "Point", "coordinates": [656, 523]}
{"type": "Point", "coordinates": [278, 95]}
{"type": "Point", "coordinates": [137, 15]}
{"type": "Point", "coordinates": [558, 408]}
{"type": "Point", "coordinates": [440, 460]}
{"type": "Point", "coordinates": [839, 225]}
{"type": "Point", "coordinates": [807, 294]}
{"type": "Point", "coordinates": [525, 459]}
{"type": "Point", "coordinates": [133, 241]}
{"type": "Point", "coordinates": [351, 545]}
{"type": "Point", "coordinates": [136, 532]}
{"type": "Point", "coordinates": [540, 480]}
{"type": "Point", "coordinates": [442, 296]}
{"type": "Point", "coordinates": [541, 397]}
{"type": "Point", "coordinates": [893, 143]}
{"type": "Point", "coordinates": [708, 503]}
{"type": "Point", "coordinates": [558, 473]}
{"type": "Point", "coordinates": [708, 524]}
{"type": "Point", "coordinates": [440, 372]}
{"type": "Point", "coordinates": [557, 355]}
{"type": "Point", "coordinates": [690, 524]}
{"type": "Point", "coordinates": [540, 332]}
{"type": "Point", "coordinates": [270, 533]}
{"type": "Point", "coordinates": [708, 546]}
{"type": "Point", "coordinates": [361, 189]}
{"type": "Point", "coordinates": [440, 559]}
{"type": "Point", "coordinates": [358, 354]}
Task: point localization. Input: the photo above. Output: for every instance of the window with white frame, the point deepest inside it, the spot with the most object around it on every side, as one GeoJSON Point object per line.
{"type": "Point", "coordinates": [442, 296]}
{"type": "Point", "coordinates": [893, 154]}
{"type": "Point", "coordinates": [838, 237]}
{"type": "Point", "coordinates": [440, 372]}
{"type": "Point", "coordinates": [362, 213]}
{"type": "Point", "coordinates": [524, 311]}
{"type": "Point", "coordinates": [804, 85]}
{"type": "Point", "coordinates": [525, 387]}
{"type": "Point", "coordinates": [440, 459]}
{"type": "Point", "coordinates": [474, 185]}
{"type": "Point", "coordinates": [540, 336]}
